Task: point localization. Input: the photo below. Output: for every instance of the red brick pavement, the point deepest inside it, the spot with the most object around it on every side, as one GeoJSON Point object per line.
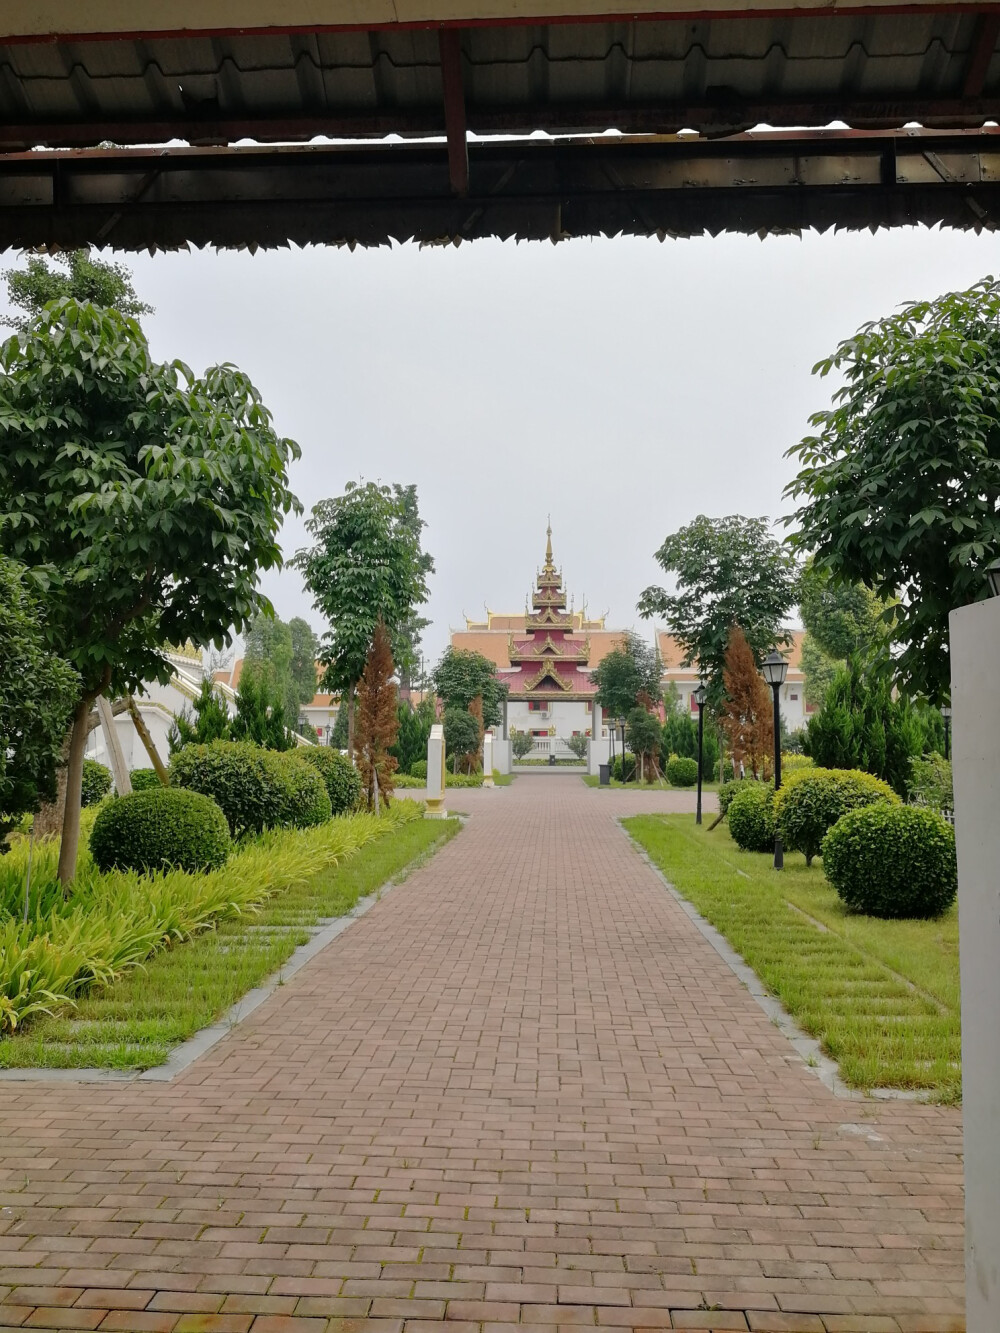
{"type": "Point", "coordinates": [522, 1089]}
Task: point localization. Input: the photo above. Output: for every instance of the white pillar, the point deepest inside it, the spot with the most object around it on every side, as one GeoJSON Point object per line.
{"type": "Point", "coordinates": [975, 702]}
{"type": "Point", "coordinates": [435, 773]}
{"type": "Point", "coordinates": [488, 759]}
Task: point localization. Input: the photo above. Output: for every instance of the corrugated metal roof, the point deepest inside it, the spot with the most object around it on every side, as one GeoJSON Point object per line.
{"type": "Point", "coordinates": [703, 74]}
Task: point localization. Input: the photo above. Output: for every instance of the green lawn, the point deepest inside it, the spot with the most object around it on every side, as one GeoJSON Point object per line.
{"type": "Point", "coordinates": [134, 1023]}
{"type": "Point", "coordinates": [592, 780]}
{"type": "Point", "coordinates": [881, 997]}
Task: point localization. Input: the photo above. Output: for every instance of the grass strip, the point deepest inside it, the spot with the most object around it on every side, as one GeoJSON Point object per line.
{"type": "Point", "coordinates": [881, 997]}
{"type": "Point", "coordinates": [593, 780]}
{"type": "Point", "coordinates": [134, 1023]}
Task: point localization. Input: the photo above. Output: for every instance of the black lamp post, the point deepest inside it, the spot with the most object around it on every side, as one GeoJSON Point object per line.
{"type": "Point", "coordinates": [699, 697]}
{"type": "Point", "coordinates": [624, 770]}
{"type": "Point", "coordinates": [946, 717]}
{"type": "Point", "coordinates": [775, 669]}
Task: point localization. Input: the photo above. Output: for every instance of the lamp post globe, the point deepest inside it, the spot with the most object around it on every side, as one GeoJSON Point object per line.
{"type": "Point", "coordinates": [699, 694]}
{"type": "Point", "coordinates": [774, 669]}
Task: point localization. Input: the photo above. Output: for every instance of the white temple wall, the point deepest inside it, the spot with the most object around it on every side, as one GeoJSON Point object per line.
{"type": "Point", "coordinates": [563, 717]}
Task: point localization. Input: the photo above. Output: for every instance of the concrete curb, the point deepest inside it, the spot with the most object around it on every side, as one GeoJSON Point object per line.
{"type": "Point", "coordinates": [807, 1048]}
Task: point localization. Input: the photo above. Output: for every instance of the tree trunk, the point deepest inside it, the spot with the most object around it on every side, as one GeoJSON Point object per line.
{"type": "Point", "coordinates": [140, 725]}
{"type": "Point", "coordinates": [74, 783]}
{"type": "Point", "coordinates": [350, 720]}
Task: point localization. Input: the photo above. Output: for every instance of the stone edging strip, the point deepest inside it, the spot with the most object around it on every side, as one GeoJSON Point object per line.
{"type": "Point", "coordinates": [807, 1048]}
{"type": "Point", "coordinates": [188, 1051]}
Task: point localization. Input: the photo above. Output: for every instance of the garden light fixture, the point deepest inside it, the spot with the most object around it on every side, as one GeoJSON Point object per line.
{"type": "Point", "coordinates": [774, 671]}
{"type": "Point", "coordinates": [699, 694]}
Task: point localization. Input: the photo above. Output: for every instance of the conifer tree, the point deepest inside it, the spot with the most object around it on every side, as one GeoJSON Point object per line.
{"type": "Point", "coordinates": [747, 720]}
{"type": "Point", "coordinates": [376, 721]}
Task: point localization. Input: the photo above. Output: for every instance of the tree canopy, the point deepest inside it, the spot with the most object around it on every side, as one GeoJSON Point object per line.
{"type": "Point", "coordinates": [305, 648]}
{"type": "Point", "coordinates": [899, 486]}
{"type": "Point", "coordinates": [407, 649]}
{"type": "Point", "coordinates": [365, 566]}
{"type": "Point", "coordinates": [75, 274]}
{"type": "Point", "coordinates": [463, 675]}
{"type": "Point", "coordinates": [143, 501]}
{"type": "Point", "coordinates": [37, 694]}
{"type": "Point", "coordinates": [729, 571]}
{"type": "Point", "coordinates": [627, 676]}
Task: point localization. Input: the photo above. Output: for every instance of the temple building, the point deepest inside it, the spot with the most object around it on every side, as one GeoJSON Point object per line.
{"type": "Point", "coordinates": [547, 657]}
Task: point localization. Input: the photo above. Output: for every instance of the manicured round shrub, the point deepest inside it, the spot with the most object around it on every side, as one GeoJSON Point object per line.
{"type": "Point", "coordinates": [751, 817]}
{"type": "Point", "coordinates": [255, 788]}
{"type": "Point", "coordinates": [96, 782]}
{"type": "Point", "coordinates": [305, 801]}
{"type": "Point", "coordinates": [153, 830]}
{"type": "Point", "coordinates": [418, 769]}
{"type": "Point", "coordinates": [729, 789]}
{"type": "Point", "coordinates": [144, 779]}
{"type": "Point", "coordinates": [682, 772]}
{"type": "Point", "coordinates": [892, 861]}
{"type": "Point", "coordinates": [815, 798]}
{"type": "Point", "coordinates": [629, 768]}
{"type": "Point", "coordinates": [342, 779]}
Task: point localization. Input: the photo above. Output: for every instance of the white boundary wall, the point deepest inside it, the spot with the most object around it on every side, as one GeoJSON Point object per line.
{"type": "Point", "coordinates": [975, 699]}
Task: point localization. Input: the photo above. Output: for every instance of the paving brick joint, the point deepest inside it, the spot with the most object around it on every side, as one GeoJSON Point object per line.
{"type": "Point", "coordinates": [522, 1091]}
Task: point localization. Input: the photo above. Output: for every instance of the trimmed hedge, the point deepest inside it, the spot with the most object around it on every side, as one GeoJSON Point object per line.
{"type": "Point", "coordinates": [160, 830]}
{"type": "Point", "coordinates": [255, 788]}
{"type": "Point", "coordinates": [418, 769]}
{"type": "Point", "coordinates": [892, 861]}
{"type": "Point", "coordinates": [342, 779]}
{"type": "Point", "coordinates": [751, 817]}
{"type": "Point", "coordinates": [682, 772]}
{"type": "Point", "coordinates": [729, 789]}
{"type": "Point", "coordinates": [813, 799]}
{"type": "Point", "coordinates": [96, 782]}
{"type": "Point", "coordinates": [145, 779]}
{"type": "Point", "coordinates": [629, 768]}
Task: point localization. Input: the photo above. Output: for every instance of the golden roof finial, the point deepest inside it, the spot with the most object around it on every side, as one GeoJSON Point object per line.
{"type": "Point", "coordinates": [549, 568]}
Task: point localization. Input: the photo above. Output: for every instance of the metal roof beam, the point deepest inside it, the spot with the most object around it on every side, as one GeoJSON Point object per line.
{"type": "Point", "coordinates": [983, 46]}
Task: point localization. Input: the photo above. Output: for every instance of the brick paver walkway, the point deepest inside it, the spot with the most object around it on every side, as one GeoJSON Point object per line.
{"type": "Point", "coordinates": [522, 1089]}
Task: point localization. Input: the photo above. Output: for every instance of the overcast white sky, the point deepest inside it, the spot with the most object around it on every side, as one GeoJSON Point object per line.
{"type": "Point", "coordinates": [624, 386]}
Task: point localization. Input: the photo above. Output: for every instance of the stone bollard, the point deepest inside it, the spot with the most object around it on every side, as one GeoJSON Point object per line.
{"type": "Point", "coordinates": [435, 773]}
{"type": "Point", "coordinates": [488, 759]}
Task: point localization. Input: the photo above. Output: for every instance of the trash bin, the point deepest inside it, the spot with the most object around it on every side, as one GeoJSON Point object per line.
{"type": "Point", "coordinates": [605, 774]}
{"type": "Point", "coordinates": [552, 760]}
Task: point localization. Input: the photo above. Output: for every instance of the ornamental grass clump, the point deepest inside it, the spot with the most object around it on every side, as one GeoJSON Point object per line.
{"type": "Point", "coordinates": [112, 922]}
{"type": "Point", "coordinates": [157, 829]}
{"type": "Point", "coordinates": [813, 799]}
{"type": "Point", "coordinates": [892, 861]}
{"type": "Point", "coordinates": [751, 817]}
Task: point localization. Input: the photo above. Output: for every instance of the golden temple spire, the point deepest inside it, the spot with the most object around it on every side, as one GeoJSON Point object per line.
{"type": "Point", "coordinates": [549, 568]}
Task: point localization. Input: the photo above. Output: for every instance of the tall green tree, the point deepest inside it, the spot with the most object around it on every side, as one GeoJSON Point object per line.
{"type": "Point", "coordinates": [364, 566]}
{"type": "Point", "coordinates": [413, 734]}
{"type": "Point", "coordinates": [211, 721]}
{"type": "Point", "coordinates": [843, 618]}
{"type": "Point", "coordinates": [819, 670]}
{"type": "Point", "coordinates": [861, 726]}
{"type": "Point", "coordinates": [305, 649]}
{"type": "Point", "coordinates": [899, 488]}
{"type": "Point", "coordinates": [143, 501]}
{"type": "Point", "coordinates": [75, 274]}
{"type": "Point", "coordinates": [407, 642]}
{"type": "Point", "coordinates": [260, 710]}
{"type": "Point", "coordinates": [629, 675]}
{"type": "Point", "coordinates": [462, 676]}
{"type": "Point", "coordinates": [37, 694]}
{"type": "Point", "coordinates": [728, 571]}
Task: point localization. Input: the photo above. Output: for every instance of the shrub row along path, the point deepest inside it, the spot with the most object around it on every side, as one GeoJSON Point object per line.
{"type": "Point", "coordinates": [522, 1090]}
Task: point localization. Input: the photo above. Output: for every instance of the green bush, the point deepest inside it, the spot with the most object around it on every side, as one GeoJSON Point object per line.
{"type": "Point", "coordinates": [729, 789]}
{"type": "Point", "coordinates": [144, 779]}
{"type": "Point", "coordinates": [751, 818]}
{"type": "Point", "coordinates": [96, 782]}
{"type": "Point", "coordinates": [418, 769]}
{"type": "Point", "coordinates": [343, 781]}
{"type": "Point", "coordinates": [156, 830]}
{"type": "Point", "coordinates": [815, 798]}
{"type": "Point", "coordinates": [306, 801]}
{"type": "Point", "coordinates": [892, 861]}
{"type": "Point", "coordinates": [255, 788]}
{"type": "Point", "coordinates": [629, 768]}
{"type": "Point", "coordinates": [794, 763]}
{"type": "Point", "coordinates": [931, 782]}
{"type": "Point", "coordinates": [682, 772]}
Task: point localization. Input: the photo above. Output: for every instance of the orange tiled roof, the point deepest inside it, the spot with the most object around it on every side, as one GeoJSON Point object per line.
{"type": "Point", "coordinates": [672, 655]}
{"type": "Point", "coordinates": [494, 643]}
